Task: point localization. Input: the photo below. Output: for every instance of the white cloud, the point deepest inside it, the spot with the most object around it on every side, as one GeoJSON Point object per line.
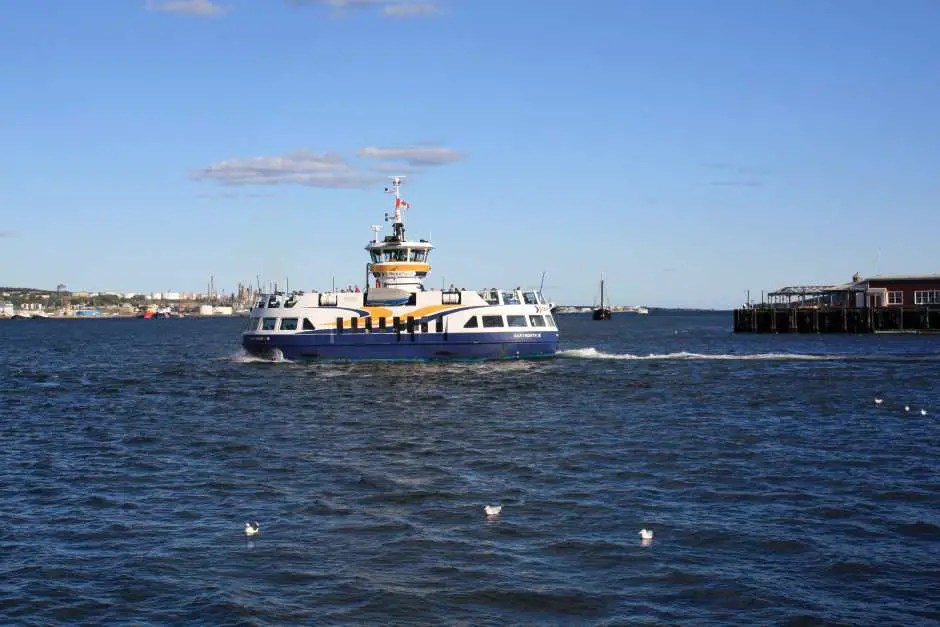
{"type": "Point", "coordinates": [302, 168]}
{"type": "Point", "coordinates": [396, 8]}
{"type": "Point", "coordinates": [328, 170]}
{"type": "Point", "coordinates": [416, 156]}
{"type": "Point", "coordinates": [188, 7]}
{"type": "Point", "coordinates": [342, 4]}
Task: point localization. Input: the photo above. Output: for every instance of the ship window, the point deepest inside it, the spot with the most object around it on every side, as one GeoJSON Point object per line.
{"type": "Point", "coordinates": [439, 325]}
{"type": "Point", "coordinates": [490, 296]}
{"type": "Point", "coordinates": [410, 324]}
{"type": "Point", "coordinates": [339, 325]}
{"type": "Point", "coordinates": [509, 298]}
{"type": "Point", "coordinates": [419, 255]}
{"type": "Point", "coordinates": [256, 324]}
{"type": "Point", "coordinates": [288, 324]}
{"type": "Point", "coordinates": [471, 323]}
{"type": "Point", "coordinates": [269, 324]}
{"type": "Point", "coordinates": [308, 326]}
{"type": "Point", "coordinates": [382, 323]}
{"type": "Point", "coordinates": [376, 256]}
{"type": "Point", "coordinates": [354, 324]}
{"type": "Point", "coordinates": [424, 326]}
{"type": "Point", "coordinates": [492, 321]}
{"type": "Point", "coordinates": [516, 321]}
{"type": "Point", "coordinates": [529, 298]}
{"type": "Point", "coordinates": [537, 321]}
{"type": "Point", "coordinates": [549, 321]}
{"type": "Point", "coordinates": [369, 324]}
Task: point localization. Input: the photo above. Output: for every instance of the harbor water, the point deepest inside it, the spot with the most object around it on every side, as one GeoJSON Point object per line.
{"type": "Point", "coordinates": [133, 452]}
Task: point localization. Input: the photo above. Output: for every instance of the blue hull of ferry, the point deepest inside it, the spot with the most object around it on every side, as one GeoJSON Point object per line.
{"type": "Point", "coordinates": [404, 346]}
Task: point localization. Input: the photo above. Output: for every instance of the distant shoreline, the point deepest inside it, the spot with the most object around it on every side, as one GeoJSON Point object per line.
{"type": "Point", "coordinates": [575, 310]}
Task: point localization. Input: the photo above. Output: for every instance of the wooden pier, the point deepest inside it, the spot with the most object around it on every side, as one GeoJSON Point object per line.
{"type": "Point", "coordinates": [824, 319]}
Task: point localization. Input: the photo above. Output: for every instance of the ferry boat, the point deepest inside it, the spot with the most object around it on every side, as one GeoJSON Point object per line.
{"type": "Point", "coordinates": [397, 318]}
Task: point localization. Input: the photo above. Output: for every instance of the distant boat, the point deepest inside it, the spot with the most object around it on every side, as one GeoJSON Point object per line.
{"type": "Point", "coordinates": [602, 312]}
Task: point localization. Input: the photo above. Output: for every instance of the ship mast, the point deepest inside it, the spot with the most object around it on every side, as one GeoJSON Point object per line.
{"type": "Point", "coordinates": [396, 262]}
{"type": "Point", "coordinates": [398, 226]}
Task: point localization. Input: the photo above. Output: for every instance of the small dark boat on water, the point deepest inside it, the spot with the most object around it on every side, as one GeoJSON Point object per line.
{"type": "Point", "coordinates": [602, 312]}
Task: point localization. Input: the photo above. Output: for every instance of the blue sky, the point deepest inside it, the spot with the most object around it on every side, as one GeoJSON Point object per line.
{"type": "Point", "coordinates": [689, 150]}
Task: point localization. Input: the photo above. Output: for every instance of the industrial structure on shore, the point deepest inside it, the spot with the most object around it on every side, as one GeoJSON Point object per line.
{"type": "Point", "coordinates": [908, 303]}
{"type": "Point", "coordinates": [24, 303]}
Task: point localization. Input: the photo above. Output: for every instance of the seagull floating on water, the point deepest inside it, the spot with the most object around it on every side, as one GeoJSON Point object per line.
{"type": "Point", "coordinates": [492, 510]}
{"type": "Point", "coordinates": [923, 412]}
{"type": "Point", "coordinates": [907, 408]}
{"type": "Point", "coordinates": [646, 534]}
{"type": "Point", "coordinates": [252, 528]}
{"type": "Point", "coordinates": [879, 401]}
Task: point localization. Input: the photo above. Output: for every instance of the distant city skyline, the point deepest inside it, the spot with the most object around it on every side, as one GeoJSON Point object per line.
{"type": "Point", "coordinates": [688, 151]}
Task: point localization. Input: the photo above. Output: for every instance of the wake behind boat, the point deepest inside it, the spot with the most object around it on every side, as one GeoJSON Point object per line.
{"type": "Point", "coordinates": [399, 318]}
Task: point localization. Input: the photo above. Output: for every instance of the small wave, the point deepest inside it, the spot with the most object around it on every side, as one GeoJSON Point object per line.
{"type": "Point", "coordinates": [593, 353]}
{"type": "Point", "coordinates": [243, 357]}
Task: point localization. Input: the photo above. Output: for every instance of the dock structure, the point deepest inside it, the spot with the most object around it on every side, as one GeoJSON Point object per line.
{"type": "Point", "coordinates": [881, 304]}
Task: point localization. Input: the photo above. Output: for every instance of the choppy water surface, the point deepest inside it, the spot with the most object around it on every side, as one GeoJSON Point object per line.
{"type": "Point", "coordinates": [133, 452]}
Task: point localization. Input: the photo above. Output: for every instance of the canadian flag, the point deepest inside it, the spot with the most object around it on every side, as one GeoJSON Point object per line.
{"type": "Point", "coordinates": [401, 204]}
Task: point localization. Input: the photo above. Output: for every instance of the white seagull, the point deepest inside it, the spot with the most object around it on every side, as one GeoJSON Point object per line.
{"type": "Point", "coordinates": [879, 401]}
{"type": "Point", "coordinates": [252, 528]}
{"type": "Point", "coordinates": [646, 534]}
{"type": "Point", "coordinates": [907, 408]}
{"type": "Point", "coordinates": [492, 510]}
{"type": "Point", "coordinates": [923, 412]}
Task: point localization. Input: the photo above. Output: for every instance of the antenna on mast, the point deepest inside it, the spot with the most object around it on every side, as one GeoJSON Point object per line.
{"type": "Point", "coordinates": [400, 204]}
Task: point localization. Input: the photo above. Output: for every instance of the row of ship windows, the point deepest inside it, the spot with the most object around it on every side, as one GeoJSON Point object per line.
{"type": "Point", "coordinates": [399, 254]}
{"type": "Point", "coordinates": [490, 322]}
{"type": "Point", "coordinates": [492, 297]}
{"type": "Point", "coordinates": [487, 322]}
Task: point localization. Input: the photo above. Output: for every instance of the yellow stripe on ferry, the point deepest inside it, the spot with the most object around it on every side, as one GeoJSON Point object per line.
{"type": "Point", "coordinates": [400, 267]}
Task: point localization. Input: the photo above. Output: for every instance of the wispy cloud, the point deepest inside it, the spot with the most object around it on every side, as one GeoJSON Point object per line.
{"type": "Point", "coordinates": [203, 8]}
{"type": "Point", "coordinates": [7, 233]}
{"type": "Point", "coordinates": [328, 170]}
{"type": "Point", "coordinates": [393, 8]}
{"type": "Point", "coordinates": [415, 156]}
{"type": "Point", "coordinates": [302, 168]}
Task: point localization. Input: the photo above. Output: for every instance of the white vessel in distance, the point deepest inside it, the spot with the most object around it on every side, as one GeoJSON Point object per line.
{"type": "Point", "coordinates": [397, 318]}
